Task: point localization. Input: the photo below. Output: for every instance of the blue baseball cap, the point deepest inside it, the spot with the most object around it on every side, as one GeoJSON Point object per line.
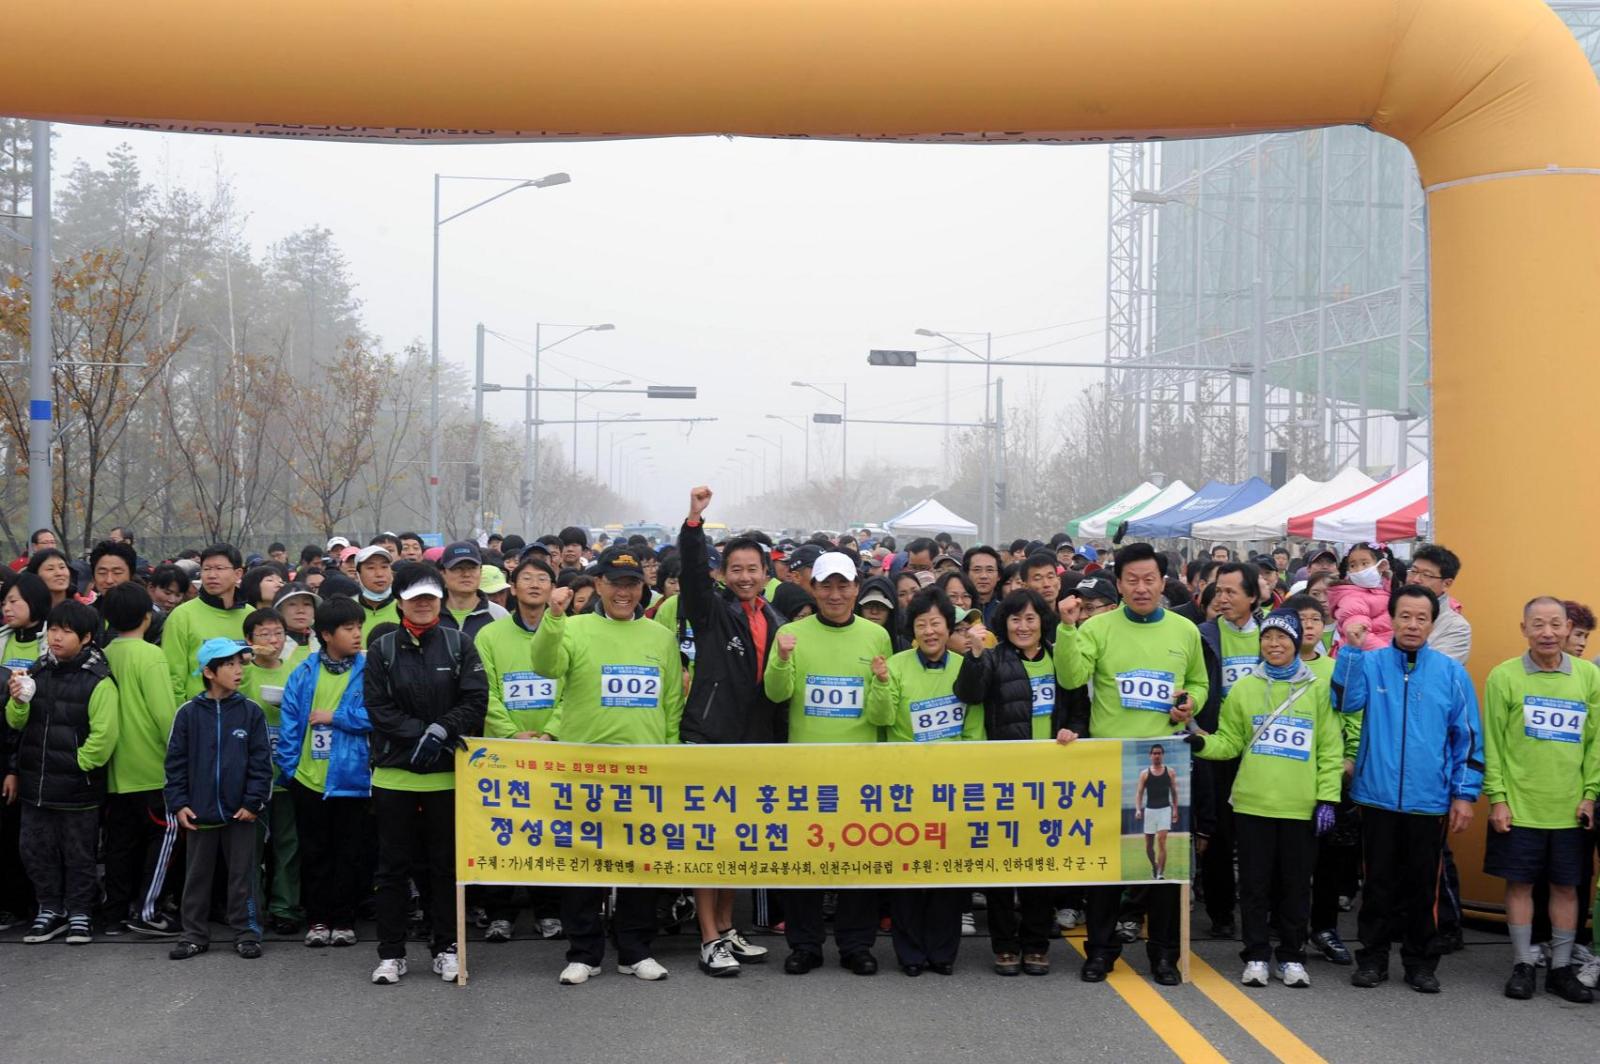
{"type": "Point", "coordinates": [217, 649]}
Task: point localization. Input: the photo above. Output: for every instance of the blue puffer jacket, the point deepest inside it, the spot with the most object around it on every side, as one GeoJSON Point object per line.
{"type": "Point", "coordinates": [1421, 741]}
{"type": "Point", "coordinates": [349, 762]}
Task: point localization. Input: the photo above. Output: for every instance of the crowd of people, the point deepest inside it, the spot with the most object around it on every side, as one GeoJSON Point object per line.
{"type": "Point", "coordinates": [291, 725]}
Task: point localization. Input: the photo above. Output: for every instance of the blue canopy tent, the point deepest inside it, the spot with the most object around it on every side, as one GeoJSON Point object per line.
{"type": "Point", "coordinates": [1214, 500]}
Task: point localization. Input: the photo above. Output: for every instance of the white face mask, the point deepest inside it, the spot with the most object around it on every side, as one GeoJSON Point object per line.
{"type": "Point", "coordinates": [376, 596]}
{"type": "Point", "coordinates": [1368, 578]}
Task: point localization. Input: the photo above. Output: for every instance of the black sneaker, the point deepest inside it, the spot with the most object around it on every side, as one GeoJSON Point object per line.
{"type": "Point", "coordinates": [113, 929]}
{"type": "Point", "coordinates": [1224, 929]}
{"type": "Point", "coordinates": [158, 926]}
{"type": "Point", "coordinates": [8, 919]}
{"type": "Point", "coordinates": [1563, 983]}
{"type": "Point", "coordinates": [1331, 946]}
{"type": "Point", "coordinates": [184, 950]}
{"type": "Point", "coordinates": [45, 927]}
{"type": "Point", "coordinates": [1520, 985]}
{"type": "Point", "coordinates": [1368, 976]}
{"type": "Point", "coordinates": [249, 949]}
{"type": "Point", "coordinates": [284, 925]}
{"type": "Point", "coordinates": [1450, 941]}
{"type": "Point", "coordinates": [79, 931]}
{"type": "Point", "coordinates": [1422, 981]}
{"type": "Point", "coordinates": [801, 961]}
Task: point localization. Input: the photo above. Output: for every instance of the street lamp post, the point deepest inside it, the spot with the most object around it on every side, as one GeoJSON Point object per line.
{"type": "Point", "coordinates": [581, 392]}
{"type": "Point", "coordinates": [539, 348]}
{"type": "Point", "coordinates": [805, 428]}
{"type": "Point", "coordinates": [778, 443]}
{"type": "Point", "coordinates": [547, 181]}
{"type": "Point", "coordinates": [989, 474]}
{"type": "Point", "coordinates": [611, 457]}
{"type": "Point", "coordinates": [843, 399]}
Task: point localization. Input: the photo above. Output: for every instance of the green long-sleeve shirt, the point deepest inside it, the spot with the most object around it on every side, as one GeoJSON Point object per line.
{"type": "Point", "coordinates": [1541, 751]}
{"type": "Point", "coordinates": [520, 700]}
{"type": "Point", "coordinates": [825, 679]}
{"type": "Point", "coordinates": [1296, 762]}
{"type": "Point", "coordinates": [145, 710]}
{"type": "Point", "coordinates": [187, 626]}
{"type": "Point", "coordinates": [918, 703]}
{"type": "Point", "coordinates": [620, 680]}
{"type": "Point", "coordinates": [1137, 666]}
{"type": "Point", "coordinates": [104, 724]}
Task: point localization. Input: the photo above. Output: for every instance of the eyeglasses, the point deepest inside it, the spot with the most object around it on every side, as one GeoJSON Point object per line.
{"type": "Point", "coordinates": [214, 570]}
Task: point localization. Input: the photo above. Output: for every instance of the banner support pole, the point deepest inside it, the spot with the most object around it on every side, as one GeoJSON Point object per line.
{"type": "Point", "coordinates": [461, 936]}
{"type": "Point", "coordinates": [1185, 890]}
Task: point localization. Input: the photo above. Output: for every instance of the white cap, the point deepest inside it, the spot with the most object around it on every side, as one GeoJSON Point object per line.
{"type": "Point", "coordinates": [371, 552]}
{"type": "Point", "coordinates": [423, 587]}
{"type": "Point", "coordinates": [835, 563]}
{"type": "Point", "coordinates": [336, 542]}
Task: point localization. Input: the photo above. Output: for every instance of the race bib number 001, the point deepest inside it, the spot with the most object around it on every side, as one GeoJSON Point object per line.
{"type": "Point", "coordinates": [1234, 668]}
{"type": "Point", "coordinates": [1287, 737]}
{"type": "Point", "coordinates": [1149, 690]}
{"type": "Point", "coordinates": [835, 696]}
{"type": "Point", "coordinates": [527, 690]}
{"type": "Point", "coordinates": [321, 741]}
{"type": "Point", "coordinates": [1557, 720]}
{"type": "Point", "coordinates": [630, 686]}
{"type": "Point", "coordinates": [1044, 695]}
{"type": "Point", "coordinates": [937, 718]}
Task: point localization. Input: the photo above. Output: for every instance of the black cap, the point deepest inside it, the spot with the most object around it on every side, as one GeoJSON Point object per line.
{"type": "Point", "coordinates": [804, 556]}
{"type": "Point", "coordinates": [458, 552]}
{"type": "Point", "coordinates": [619, 561]}
{"type": "Point", "coordinates": [1098, 587]}
{"type": "Point", "coordinates": [1323, 553]}
{"type": "Point", "coordinates": [534, 550]}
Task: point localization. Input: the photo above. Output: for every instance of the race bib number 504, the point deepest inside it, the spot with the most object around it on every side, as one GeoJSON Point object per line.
{"type": "Point", "coordinates": [630, 686]}
{"type": "Point", "coordinates": [1558, 720]}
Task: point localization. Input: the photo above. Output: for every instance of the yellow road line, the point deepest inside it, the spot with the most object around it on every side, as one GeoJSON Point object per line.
{"type": "Point", "coordinates": [1147, 1003]}
{"type": "Point", "coordinates": [1257, 1022]}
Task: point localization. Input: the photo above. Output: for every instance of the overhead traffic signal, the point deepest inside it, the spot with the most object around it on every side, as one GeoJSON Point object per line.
{"type": "Point", "coordinates": [878, 357]}
{"type": "Point", "coordinates": [474, 481]}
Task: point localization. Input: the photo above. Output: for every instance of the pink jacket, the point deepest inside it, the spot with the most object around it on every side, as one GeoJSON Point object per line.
{"type": "Point", "coordinates": [1370, 605]}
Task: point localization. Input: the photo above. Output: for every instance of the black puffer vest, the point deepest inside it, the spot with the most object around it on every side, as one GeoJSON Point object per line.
{"type": "Point", "coordinates": [58, 724]}
{"type": "Point", "coordinates": [999, 682]}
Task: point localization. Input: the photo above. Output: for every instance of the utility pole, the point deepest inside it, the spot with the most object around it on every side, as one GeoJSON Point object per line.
{"type": "Point", "coordinates": [40, 414]}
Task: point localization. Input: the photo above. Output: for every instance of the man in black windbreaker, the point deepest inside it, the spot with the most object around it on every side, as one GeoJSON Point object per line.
{"type": "Point", "coordinates": [425, 689]}
{"type": "Point", "coordinates": [733, 633]}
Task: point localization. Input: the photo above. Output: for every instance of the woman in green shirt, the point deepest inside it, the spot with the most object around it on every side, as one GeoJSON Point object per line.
{"type": "Point", "coordinates": [912, 696]}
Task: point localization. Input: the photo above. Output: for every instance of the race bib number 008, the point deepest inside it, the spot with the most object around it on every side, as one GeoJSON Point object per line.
{"type": "Point", "coordinates": [1149, 690]}
{"type": "Point", "coordinates": [527, 690]}
{"type": "Point", "coordinates": [835, 696]}
{"type": "Point", "coordinates": [1557, 720]}
{"type": "Point", "coordinates": [630, 686]}
{"type": "Point", "coordinates": [1287, 737]}
{"type": "Point", "coordinates": [937, 718]}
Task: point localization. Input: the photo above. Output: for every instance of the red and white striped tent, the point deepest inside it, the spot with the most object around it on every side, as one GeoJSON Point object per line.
{"type": "Point", "coordinates": [1389, 510]}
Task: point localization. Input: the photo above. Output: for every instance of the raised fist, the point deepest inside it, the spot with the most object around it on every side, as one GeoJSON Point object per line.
{"type": "Point", "coordinates": [786, 642]}
{"type": "Point", "coordinates": [1070, 609]}
{"type": "Point", "coordinates": [880, 669]}
{"type": "Point", "coordinates": [560, 599]}
{"type": "Point", "coordinates": [699, 499]}
{"type": "Point", "coordinates": [1355, 633]}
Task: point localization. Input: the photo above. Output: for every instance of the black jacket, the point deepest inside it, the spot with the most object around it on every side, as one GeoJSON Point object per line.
{"type": "Point", "coordinates": [1000, 683]}
{"type": "Point", "coordinates": [899, 638]}
{"type": "Point", "coordinates": [218, 759]}
{"type": "Point", "coordinates": [427, 683]}
{"type": "Point", "coordinates": [726, 702]}
{"type": "Point", "coordinates": [58, 724]}
{"type": "Point", "coordinates": [474, 622]}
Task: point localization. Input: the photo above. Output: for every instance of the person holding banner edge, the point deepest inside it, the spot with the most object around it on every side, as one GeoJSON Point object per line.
{"type": "Point", "coordinates": [733, 636]}
{"type": "Point", "coordinates": [621, 684]}
{"type": "Point", "coordinates": [821, 670]}
{"type": "Point", "coordinates": [1148, 672]}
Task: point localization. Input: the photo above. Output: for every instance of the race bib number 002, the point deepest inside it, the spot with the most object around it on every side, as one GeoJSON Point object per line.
{"type": "Point", "coordinates": [1287, 737]}
{"type": "Point", "coordinates": [1044, 695]}
{"type": "Point", "coordinates": [1557, 720]}
{"type": "Point", "coordinates": [630, 686]}
{"type": "Point", "coordinates": [937, 718]}
{"type": "Point", "coordinates": [1149, 690]}
{"type": "Point", "coordinates": [527, 690]}
{"type": "Point", "coordinates": [835, 696]}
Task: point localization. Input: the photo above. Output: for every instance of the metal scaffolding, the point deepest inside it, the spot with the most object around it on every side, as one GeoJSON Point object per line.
{"type": "Point", "coordinates": [1291, 269]}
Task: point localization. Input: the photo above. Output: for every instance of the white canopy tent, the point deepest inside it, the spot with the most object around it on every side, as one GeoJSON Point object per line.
{"type": "Point", "coordinates": [1102, 525]}
{"type": "Point", "coordinates": [930, 517]}
{"type": "Point", "coordinates": [1269, 518]}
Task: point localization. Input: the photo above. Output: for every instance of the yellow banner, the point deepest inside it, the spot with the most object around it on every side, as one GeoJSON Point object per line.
{"type": "Point", "coordinates": [941, 814]}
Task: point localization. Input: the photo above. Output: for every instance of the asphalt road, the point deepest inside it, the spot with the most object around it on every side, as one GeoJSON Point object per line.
{"type": "Point", "coordinates": [123, 1000]}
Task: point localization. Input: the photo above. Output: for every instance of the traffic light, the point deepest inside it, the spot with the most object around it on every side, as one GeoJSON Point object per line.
{"type": "Point", "coordinates": [827, 419]}
{"type": "Point", "coordinates": [1000, 495]}
{"type": "Point", "coordinates": [877, 357]}
{"type": "Point", "coordinates": [474, 481]}
{"type": "Point", "coordinates": [526, 495]}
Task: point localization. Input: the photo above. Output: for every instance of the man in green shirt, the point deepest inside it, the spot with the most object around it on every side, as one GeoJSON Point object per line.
{"type": "Point", "coordinates": [1147, 672]}
{"type": "Point", "coordinates": [620, 684]}
{"type": "Point", "coordinates": [821, 669]}
{"type": "Point", "coordinates": [375, 576]}
{"type": "Point", "coordinates": [139, 835]}
{"type": "Point", "coordinates": [1541, 776]}
{"type": "Point", "coordinates": [213, 614]}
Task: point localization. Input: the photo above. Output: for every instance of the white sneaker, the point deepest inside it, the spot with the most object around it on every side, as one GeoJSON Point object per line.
{"type": "Point", "coordinates": [578, 973]}
{"type": "Point", "coordinates": [716, 961]}
{"type": "Point", "coordinates": [388, 972]}
{"type": "Point", "coordinates": [447, 966]}
{"type": "Point", "coordinates": [318, 935]}
{"type": "Point", "coordinates": [498, 931]}
{"type": "Point", "coordinates": [549, 927]}
{"type": "Point", "coordinates": [342, 936]}
{"type": "Point", "coordinates": [1255, 974]}
{"type": "Point", "coordinates": [1589, 974]}
{"type": "Point", "coordinates": [969, 925]}
{"type": "Point", "coordinates": [648, 970]}
{"type": "Point", "coordinates": [1581, 955]}
{"type": "Point", "coordinates": [1067, 919]}
{"type": "Point", "coordinates": [1543, 949]}
{"type": "Point", "coordinates": [1292, 973]}
{"type": "Point", "coordinates": [742, 949]}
